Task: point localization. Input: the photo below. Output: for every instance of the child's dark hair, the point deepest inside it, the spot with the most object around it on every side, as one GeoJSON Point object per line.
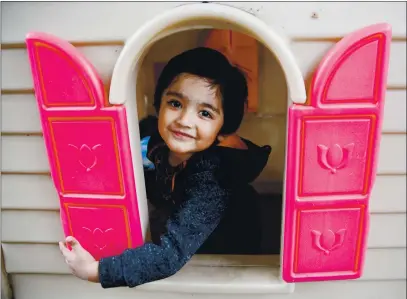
{"type": "Point", "coordinates": [215, 67]}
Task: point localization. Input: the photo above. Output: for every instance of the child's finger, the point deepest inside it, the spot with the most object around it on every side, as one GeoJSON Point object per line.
{"type": "Point", "coordinates": [73, 242]}
{"type": "Point", "coordinates": [65, 251]}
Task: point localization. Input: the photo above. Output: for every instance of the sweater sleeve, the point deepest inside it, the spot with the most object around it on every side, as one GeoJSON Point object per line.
{"type": "Point", "coordinates": [188, 228]}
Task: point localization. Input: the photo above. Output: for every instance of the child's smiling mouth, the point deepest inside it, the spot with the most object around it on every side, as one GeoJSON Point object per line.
{"type": "Point", "coordinates": [180, 135]}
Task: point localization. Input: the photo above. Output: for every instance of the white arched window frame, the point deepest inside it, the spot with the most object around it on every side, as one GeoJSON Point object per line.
{"type": "Point", "coordinates": [123, 87]}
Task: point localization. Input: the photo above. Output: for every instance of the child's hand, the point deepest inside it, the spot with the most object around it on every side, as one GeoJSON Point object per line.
{"type": "Point", "coordinates": [81, 262]}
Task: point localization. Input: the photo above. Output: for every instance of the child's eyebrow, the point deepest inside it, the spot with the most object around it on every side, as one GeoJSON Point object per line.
{"type": "Point", "coordinates": [175, 94]}
{"type": "Point", "coordinates": [181, 96]}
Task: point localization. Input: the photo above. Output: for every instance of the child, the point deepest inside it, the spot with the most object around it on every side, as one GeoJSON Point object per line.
{"type": "Point", "coordinates": [198, 184]}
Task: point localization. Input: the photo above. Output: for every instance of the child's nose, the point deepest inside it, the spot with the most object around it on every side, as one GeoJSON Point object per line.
{"type": "Point", "coordinates": [186, 119]}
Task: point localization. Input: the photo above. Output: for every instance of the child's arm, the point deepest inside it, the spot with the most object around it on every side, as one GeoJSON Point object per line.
{"type": "Point", "coordinates": [188, 229]}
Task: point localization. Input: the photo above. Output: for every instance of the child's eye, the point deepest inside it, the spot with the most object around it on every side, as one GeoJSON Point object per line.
{"type": "Point", "coordinates": [174, 103]}
{"type": "Point", "coordinates": [205, 114]}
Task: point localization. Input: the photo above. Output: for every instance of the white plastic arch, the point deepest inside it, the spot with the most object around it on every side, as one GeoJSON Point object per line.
{"type": "Point", "coordinates": [193, 16]}
{"type": "Point", "coordinates": [186, 17]}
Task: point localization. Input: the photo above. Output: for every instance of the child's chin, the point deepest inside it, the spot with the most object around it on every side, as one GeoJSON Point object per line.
{"type": "Point", "coordinates": [179, 148]}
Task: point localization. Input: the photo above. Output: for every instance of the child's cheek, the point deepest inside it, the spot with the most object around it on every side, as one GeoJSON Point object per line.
{"type": "Point", "coordinates": [164, 116]}
{"type": "Point", "coordinates": [208, 134]}
{"type": "Point", "coordinates": [169, 115]}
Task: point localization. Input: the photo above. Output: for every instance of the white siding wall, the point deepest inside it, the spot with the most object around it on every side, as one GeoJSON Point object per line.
{"type": "Point", "coordinates": [30, 218]}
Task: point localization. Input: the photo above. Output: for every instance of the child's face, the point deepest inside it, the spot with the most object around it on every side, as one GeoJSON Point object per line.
{"type": "Point", "coordinates": [190, 116]}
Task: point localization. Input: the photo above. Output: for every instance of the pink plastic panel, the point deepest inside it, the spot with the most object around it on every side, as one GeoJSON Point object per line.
{"type": "Point", "coordinates": [321, 249]}
{"type": "Point", "coordinates": [332, 147]}
{"type": "Point", "coordinates": [88, 148]}
{"type": "Point", "coordinates": [335, 150]}
{"type": "Point", "coordinates": [84, 163]}
{"type": "Point", "coordinates": [104, 229]}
